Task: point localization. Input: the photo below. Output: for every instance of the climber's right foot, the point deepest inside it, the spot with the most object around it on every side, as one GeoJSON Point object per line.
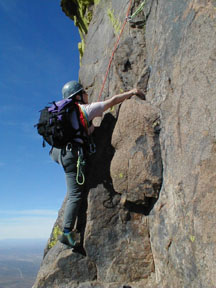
{"type": "Point", "coordinates": [69, 239]}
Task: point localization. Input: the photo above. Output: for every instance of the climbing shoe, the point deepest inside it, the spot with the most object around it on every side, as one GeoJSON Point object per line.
{"type": "Point", "coordinates": [70, 239]}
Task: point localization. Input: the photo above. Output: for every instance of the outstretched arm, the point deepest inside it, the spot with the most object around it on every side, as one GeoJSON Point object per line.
{"type": "Point", "coordinates": [121, 97]}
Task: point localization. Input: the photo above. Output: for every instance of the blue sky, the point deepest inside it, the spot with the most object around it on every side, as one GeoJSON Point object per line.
{"type": "Point", "coordinates": [38, 54]}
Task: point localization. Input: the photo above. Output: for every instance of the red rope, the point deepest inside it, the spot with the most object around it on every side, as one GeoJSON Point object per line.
{"type": "Point", "coordinates": [114, 50]}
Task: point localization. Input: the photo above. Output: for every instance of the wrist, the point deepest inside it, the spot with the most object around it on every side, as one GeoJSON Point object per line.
{"type": "Point", "coordinates": [132, 92]}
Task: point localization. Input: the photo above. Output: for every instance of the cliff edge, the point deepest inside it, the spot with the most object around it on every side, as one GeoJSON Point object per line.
{"type": "Point", "coordinates": [149, 215]}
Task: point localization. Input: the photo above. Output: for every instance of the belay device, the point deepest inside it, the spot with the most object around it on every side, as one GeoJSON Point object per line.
{"type": "Point", "coordinates": [55, 126]}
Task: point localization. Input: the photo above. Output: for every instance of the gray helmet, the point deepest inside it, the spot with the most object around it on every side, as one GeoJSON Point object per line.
{"type": "Point", "coordinates": [71, 88]}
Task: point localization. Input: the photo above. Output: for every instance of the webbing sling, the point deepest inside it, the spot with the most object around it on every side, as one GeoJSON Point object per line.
{"type": "Point", "coordinates": [139, 9]}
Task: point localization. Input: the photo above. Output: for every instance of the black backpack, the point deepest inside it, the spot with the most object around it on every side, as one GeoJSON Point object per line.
{"type": "Point", "coordinates": [55, 126]}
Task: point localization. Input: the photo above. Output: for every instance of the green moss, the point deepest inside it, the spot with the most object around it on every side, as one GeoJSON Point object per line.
{"type": "Point", "coordinates": [56, 232]}
{"type": "Point", "coordinates": [115, 22]}
{"type": "Point", "coordinates": [121, 175]}
{"type": "Point", "coordinates": [81, 47]}
{"type": "Point", "coordinates": [80, 11]}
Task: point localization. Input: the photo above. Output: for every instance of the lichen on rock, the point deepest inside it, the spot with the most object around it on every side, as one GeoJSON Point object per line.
{"type": "Point", "coordinates": [80, 11]}
{"type": "Point", "coordinates": [57, 231]}
{"type": "Point", "coordinates": [114, 21]}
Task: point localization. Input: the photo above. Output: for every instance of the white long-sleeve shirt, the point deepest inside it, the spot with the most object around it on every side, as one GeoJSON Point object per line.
{"type": "Point", "coordinates": [92, 110]}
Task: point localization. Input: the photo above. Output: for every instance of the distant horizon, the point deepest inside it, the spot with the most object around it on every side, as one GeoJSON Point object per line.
{"type": "Point", "coordinates": [20, 262]}
{"type": "Point", "coordinates": [13, 243]}
{"type": "Point", "coordinates": [21, 239]}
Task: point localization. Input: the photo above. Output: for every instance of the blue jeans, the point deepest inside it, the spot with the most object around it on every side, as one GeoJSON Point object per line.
{"type": "Point", "coordinates": [68, 159]}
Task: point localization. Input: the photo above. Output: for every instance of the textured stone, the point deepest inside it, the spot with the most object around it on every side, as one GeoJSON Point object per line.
{"type": "Point", "coordinates": [124, 73]}
{"type": "Point", "coordinates": [62, 267]}
{"type": "Point", "coordinates": [181, 47]}
{"type": "Point", "coordinates": [136, 167]}
{"type": "Point", "coordinates": [111, 241]}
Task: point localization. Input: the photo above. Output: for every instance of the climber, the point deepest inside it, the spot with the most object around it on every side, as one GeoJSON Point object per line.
{"type": "Point", "coordinates": [73, 156]}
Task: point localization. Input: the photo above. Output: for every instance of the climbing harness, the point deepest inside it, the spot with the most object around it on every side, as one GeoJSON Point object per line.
{"type": "Point", "coordinates": [80, 165]}
{"type": "Point", "coordinates": [139, 9]}
{"type": "Point", "coordinates": [114, 50]}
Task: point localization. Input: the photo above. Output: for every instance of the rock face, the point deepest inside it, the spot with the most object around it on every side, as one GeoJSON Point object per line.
{"type": "Point", "coordinates": [149, 215]}
{"type": "Point", "coordinates": [181, 47]}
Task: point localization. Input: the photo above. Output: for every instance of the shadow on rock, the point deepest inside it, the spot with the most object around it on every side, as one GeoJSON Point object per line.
{"type": "Point", "coordinates": [98, 170]}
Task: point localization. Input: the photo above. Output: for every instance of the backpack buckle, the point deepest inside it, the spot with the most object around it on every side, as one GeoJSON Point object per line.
{"type": "Point", "coordinates": [92, 148]}
{"type": "Point", "coordinates": [69, 147]}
